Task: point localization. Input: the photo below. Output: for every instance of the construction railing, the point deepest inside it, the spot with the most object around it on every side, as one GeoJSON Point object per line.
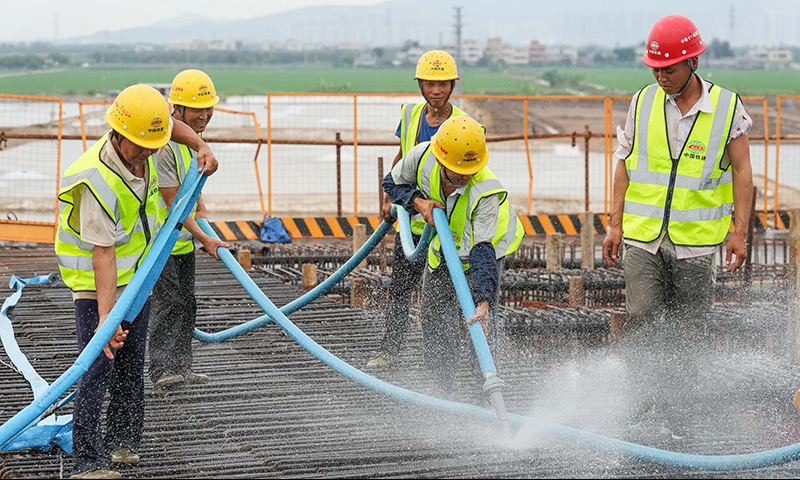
{"type": "Point", "coordinates": [325, 153]}
{"type": "Point", "coordinates": [30, 166]}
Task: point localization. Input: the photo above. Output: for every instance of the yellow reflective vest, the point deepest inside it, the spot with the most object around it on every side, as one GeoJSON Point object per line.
{"type": "Point", "coordinates": [689, 194]}
{"type": "Point", "coordinates": [135, 219]}
{"type": "Point", "coordinates": [183, 158]}
{"type": "Point", "coordinates": [410, 121]}
{"type": "Point", "coordinates": [483, 184]}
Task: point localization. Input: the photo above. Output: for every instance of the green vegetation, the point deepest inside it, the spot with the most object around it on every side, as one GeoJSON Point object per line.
{"type": "Point", "coordinates": [252, 81]}
{"type": "Point", "coordinates": [510, 81]}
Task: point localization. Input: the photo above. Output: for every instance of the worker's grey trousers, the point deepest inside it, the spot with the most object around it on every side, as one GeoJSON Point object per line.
{"type": "Point", "coordinates": [666, 301]}
{"type": "Point", "coordinates": [173, 318]}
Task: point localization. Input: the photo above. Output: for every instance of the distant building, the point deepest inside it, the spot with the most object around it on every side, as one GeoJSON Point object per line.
{"type": "Point", "coordinates": [223, 45]}
{"type": "Point", "coordinates": [349, 46]}
{"type": "Point", "coordinates": [494, 48]}
{"type": "Point", "coordinates": [537, 53]}
{"type": "Point", "coordinates": [770, 59]}
{"type": "Point", "coordinates": [365, 59]}
{"type": "Point", "coordinates": [471, 51]}
{"type": "Point", "coordinates": [178, 47]}
{"type": "Point", "coordinates": [271, 45]}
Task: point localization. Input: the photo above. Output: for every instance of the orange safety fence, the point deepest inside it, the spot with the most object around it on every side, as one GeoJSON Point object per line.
{"type": "Point", "coordinates": [326, 152]}
{"type": "Point", "coordinates": [30, 166]}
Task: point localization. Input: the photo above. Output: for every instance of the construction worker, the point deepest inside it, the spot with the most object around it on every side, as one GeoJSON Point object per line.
{"type": "Point", "coordinates": [450, 173]}
{"type": "Point", "coordinates": [108, 201]}
{"type": "Point", "coordinates": [192, 97]}
{"type": "Point", "coordinates": [436, 75]}
{"type": "Point", "coordinates": [683, 167]}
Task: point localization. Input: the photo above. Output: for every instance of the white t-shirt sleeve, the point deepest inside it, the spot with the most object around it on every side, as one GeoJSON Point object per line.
{"type": "Point", "coordinates": [405, 171]}
{"type": "Point", "coordinates": [485, 218]}
{"type": "Point", "coordinates": [167, 168]}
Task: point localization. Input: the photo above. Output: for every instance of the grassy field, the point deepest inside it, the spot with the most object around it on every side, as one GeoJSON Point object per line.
{"type": "Point", "coordinates": [744, 82]}
{"type": "Point", "coordinates": [249, 81]}
{"type": "Point", "coordinates": [296, 79]}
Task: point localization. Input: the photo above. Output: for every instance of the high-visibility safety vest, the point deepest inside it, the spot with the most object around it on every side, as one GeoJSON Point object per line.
{"type": "Point", "coordinates": [183, 159]}
{"type": "Point", "coordinates": [135, 219]}
{"type": "Point", "coordinates": [483, 184]}
{"type": "Point", "coordinates": [410, 122]}
{"type": "Point", "coordinates": [690, 195]}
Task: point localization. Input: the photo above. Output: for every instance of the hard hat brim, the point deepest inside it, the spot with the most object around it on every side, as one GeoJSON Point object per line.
{"type": "Point", "coordinates": [198, 105]}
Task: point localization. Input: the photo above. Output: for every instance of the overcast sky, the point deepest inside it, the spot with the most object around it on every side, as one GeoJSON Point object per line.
{"type": "Point", "coordinates": [29, 20]}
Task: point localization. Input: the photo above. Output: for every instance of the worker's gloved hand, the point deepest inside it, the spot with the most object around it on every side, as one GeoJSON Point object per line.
{"type": "Point", "coordinates": [481, 315]}
{"type": "Point", "coordinates": [386, 210]}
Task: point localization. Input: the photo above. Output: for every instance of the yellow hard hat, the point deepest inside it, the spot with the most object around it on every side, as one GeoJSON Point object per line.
{"type": "Point", "coordinates": [140, 114]}
{"type": "Point", "coordinates": [436, 65]}
{"type": "Point", "coordinates": [460, 145]}
{"type": "Point", "coordinates": [194, 89]}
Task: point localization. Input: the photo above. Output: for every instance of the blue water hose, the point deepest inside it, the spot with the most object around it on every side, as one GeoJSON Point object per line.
{"type": "Point", "coordinates": [20, 361]}
{"type": "Point", "coordinates": [296, 304]}
{"type": "Point", "coordinates": [462, 291]}
{"type": "Point", "coordinates": [676, 459]}
{"type": "Point", "coordinates": [126, 308]}
{"type": "Point", "coordinates": [328, 283]}
{"type": "Point", "coordinates": [411, 252]}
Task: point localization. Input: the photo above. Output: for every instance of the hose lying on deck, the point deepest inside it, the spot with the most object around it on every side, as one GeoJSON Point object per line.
{"type": "Point", "coordinates": [665, 457]}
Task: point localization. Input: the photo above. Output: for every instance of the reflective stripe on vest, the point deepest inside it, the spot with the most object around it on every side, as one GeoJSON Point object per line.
{"type": "Point", "coordinates": [698, 191]}
{"type": "Point", "coordinates": [410, 121]}
{"type": "Point", "coordinates": [135, 220]}
{"type": "Point", "coordinates": [483, 184]}
{"type": "Point", "coordinates": [183, 158]}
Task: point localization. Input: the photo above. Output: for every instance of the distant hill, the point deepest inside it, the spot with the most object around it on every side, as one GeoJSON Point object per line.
{"type": "Point", "coordinates": [573, 22]}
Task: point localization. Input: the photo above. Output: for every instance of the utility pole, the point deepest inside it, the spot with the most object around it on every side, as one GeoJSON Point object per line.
{"type": "Point", "coordinates": [732, 24]}
{"type": "Point", "coordinates": [458, 25]}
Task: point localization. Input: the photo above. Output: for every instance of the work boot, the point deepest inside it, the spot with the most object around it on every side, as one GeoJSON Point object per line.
{"type": "Point", "coordinates": [382, 360]}
{"type": "Point", "coordinates": [168, 378]}
{"type": "Point", "coordinates": [123, 455]}
{"type": "Point", "coordinates": [97, 473]}
{"type": "Point", "coordinates": [192, 378]}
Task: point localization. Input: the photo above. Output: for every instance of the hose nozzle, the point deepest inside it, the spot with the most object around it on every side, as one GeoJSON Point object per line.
{"type": "Point", "coordinates": [493, 389]}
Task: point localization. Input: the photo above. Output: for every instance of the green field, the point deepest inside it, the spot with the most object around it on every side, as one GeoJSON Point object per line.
{"type": "Point", "coordinates": [744, 82]}
{"type": "Point", "coordinates": [249, 81]}
{"type": "Point", "coordinates": [618, 81]}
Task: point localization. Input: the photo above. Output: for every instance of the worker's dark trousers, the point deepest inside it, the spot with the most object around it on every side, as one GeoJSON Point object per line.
{"type": "Point", "coordinates": [444, 328]}
{"type": "Point", "coordinates": [406, 278]}
{"type": "Point", "coordinates": [174, 313]}
{"type": "Point", "coordinates": [123, 377]}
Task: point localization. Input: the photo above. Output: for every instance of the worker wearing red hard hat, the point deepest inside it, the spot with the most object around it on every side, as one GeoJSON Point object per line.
{"type": "Point", "coordinates": [683, 168]}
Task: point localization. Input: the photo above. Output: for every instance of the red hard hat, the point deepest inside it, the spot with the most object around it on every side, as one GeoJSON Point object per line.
{"type": "Point", "coordinates": [672, 39]}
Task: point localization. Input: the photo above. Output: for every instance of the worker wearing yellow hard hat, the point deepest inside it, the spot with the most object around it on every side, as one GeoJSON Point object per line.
{"type": "Point", "coordinates": [436, 74]}
{"type": "Point", "coordinates": [450, 172]}
{"type": "Point", "coordinates": [193, 97]}
{"type": "Point", "coordinates": [106, 224]}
